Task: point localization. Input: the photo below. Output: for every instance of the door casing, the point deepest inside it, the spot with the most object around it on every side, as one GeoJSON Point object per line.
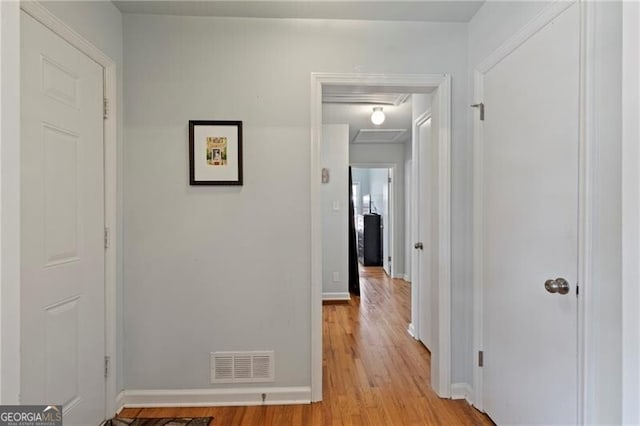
{"type": "Point", "coordinates": [413, 83]}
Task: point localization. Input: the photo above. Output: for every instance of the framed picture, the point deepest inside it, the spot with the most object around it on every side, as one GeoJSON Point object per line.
{"type": "Point", "coordinates": [215, 152]}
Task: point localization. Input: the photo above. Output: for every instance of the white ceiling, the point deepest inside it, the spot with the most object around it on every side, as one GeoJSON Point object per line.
{"type": "Point", "coordinates": [359, 117]}
{"type": "Point", "coordinates": [394, 10]}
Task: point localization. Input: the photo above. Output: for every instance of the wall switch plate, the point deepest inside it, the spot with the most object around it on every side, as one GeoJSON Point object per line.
{"type": "Point", "coordinates": [336, 277]}
{"type": "Point", "coordinates": [325, 175]}
{"type": "Point", "coordinates": [336, 205]}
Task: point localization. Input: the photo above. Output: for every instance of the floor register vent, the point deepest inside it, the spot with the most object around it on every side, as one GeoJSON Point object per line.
{"type": "Point", "coordinates": [242, 367]}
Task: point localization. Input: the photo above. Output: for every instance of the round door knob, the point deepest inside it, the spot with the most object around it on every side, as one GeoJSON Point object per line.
{"type": "Point", "coordinates": [563, 285]}
{"type": "Point", "coordinates": [551, 286]}
{"type": "Point", "coordinates": [559, 285]}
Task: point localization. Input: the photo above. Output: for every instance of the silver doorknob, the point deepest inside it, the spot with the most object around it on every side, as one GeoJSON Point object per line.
{"type": "Point", "coordinates": [418, 246]}
{"type": "Point", "coordinates": [559, 285]}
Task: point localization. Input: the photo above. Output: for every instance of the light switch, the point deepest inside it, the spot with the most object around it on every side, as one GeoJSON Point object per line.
{"type": "Point", "coordinates": [336, 205]}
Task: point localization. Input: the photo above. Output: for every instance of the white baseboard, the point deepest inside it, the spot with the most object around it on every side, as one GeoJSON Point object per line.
{"type": "Point", "coordinates": [462, 391]}
{"type": "Point", "coordinates": [214, 397]}
{"type": "Point", "coordinates": [336, 296]}
{"type": "Point", "coordinates": [411, 330]}
{"type": "Point", "coordinates": [398, 276]}
{"type": "Point", "coordinates": [406, 278]}
{"type": "Point", "coordinates": [119, 402]}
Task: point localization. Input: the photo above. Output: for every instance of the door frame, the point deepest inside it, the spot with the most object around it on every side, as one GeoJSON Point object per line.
{"type": "Point", "coordinates": [413, 83]}
{"type": "Point", "coordinates": [630, 213]}
{"type": "Point", "coordinates": [586, 174]}
{"type": "Point", "coordinates": [40, 13]}
{"type": "Point", "coordinates": [392, 202]}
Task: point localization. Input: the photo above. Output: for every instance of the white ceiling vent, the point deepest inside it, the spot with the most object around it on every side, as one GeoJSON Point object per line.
{"type": "Point", "coordinates": [379, 135]}
{"type": "Point", "coordinates": [394, 99]}
{"type": "Point", "coordinates": [242, 367]}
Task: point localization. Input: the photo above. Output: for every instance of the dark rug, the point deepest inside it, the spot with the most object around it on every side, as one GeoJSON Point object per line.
{"type": "Point", "coordinates": [200, 421]}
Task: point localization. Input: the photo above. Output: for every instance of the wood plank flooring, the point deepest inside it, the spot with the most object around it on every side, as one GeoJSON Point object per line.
{"type": "Point", "coordinates": [374, 373]}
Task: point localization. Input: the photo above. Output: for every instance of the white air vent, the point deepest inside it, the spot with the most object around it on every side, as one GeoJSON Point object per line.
{"type": "Point", "coordinates": [242, 367]}
{"type": "Point", "coordinates": [394, 99]}
{"type": "Point", "coordinates": [379, 135]}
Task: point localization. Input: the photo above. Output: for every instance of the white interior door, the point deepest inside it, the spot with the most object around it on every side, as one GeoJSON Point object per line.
{"type": "Point", "coordinates": [62, 291]}
{"type": "Point", "coordinates": [386, 224]}
{"type": "Point", "coordinates": [530, 224]}
{"type": "Point", "coordinates": [424, 231]}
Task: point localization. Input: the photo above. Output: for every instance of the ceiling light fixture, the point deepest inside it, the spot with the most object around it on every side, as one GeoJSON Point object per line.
{"type": "Point", "coordinates": [377, 117]}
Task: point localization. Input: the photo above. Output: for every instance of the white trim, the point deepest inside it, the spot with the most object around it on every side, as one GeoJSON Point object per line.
{"type": "Point", "coordinates": [478, 220]}
{"type": "Point", "coordinates": [316, 240]}
{"type": "Point", "coordinates": [119, 402]}
{"type": "Point", "coordinates": [413, 84]}
{"type": "Point", "coordinates": [411, 330]}
{"type": "Point", "coordinates": [630, 213]}
{"type": "Point", "coordinates": [547, 15]}
{"type": "Point", "coordinates": [406, 277]}
{"type": "Point", "coordinates": [215, 397]}
{"type": "Point", "coordinates": [336, 296]}
{"type": "Point", "coordinates": [586, 173]}
{"type": "Point", "coordinates": [45, 17]}
{"type": "Point", "coordinates": [10, 203]}
{"type": "Point", "coordinates": [462, 391]}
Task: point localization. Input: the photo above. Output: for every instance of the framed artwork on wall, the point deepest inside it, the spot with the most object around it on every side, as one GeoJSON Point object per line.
{"type": "Point", "coordinates": [215, 152]}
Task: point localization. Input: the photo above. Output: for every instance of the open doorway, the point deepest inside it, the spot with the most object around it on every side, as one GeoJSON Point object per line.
{"type": "Point", "coordinates": [439, 88]}
{"type": "Point", "coordinates": [372, 189]}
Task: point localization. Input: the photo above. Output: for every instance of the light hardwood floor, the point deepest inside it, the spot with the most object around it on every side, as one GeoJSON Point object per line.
{"type": "Point", "coordinates": [374, 373]}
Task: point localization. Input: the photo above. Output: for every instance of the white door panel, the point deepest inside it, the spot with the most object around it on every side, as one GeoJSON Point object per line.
{"type": "Point", "coordinates": [530, 223]}
{"type": "Point", "coordinates": [62, 291]}
{"type": "Point", "coordinates": [425, 179]}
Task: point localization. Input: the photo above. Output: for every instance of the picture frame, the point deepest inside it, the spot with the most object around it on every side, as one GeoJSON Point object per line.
{"type": "Point", "coordinates": [215, 152]}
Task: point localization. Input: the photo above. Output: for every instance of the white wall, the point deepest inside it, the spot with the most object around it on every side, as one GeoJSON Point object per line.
{"type": "Point", "coordinates": [335, 223]}
{"type": "Point", "coordinates": [99, 22]}
{"type": "Point", "coordinates": [258, 71]}
{"type": "Point", "coordinates": [494, 23]}
{"type": "Point", "coordinates": [377, 182]}
{"type": "Point", "coordinates": [378, 153]}
{"type": "Point", "coordinates": [361, 176]}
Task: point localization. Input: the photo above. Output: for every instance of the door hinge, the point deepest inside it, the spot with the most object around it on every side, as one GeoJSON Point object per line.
{"type": "Point", "coordinates": [107, 238]}
{"type": "Point", "coordinates": [389, 180]}
{"type": "Point", "coordinates": [107, 365]}
{"type": "Point", "coordinates": [389, 258]}
{"type": "Point", "coordinates": [577, 290]}
{"type": "Point", "coordinates": [105, 108]}
{"type": "Point", "coordinates": [481, 106]}
{"type": "Point", "coordinates": [480, 359]}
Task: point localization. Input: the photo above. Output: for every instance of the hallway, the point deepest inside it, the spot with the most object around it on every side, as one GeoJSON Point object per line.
{"type": "Point", "coordinates": [374, 373]}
